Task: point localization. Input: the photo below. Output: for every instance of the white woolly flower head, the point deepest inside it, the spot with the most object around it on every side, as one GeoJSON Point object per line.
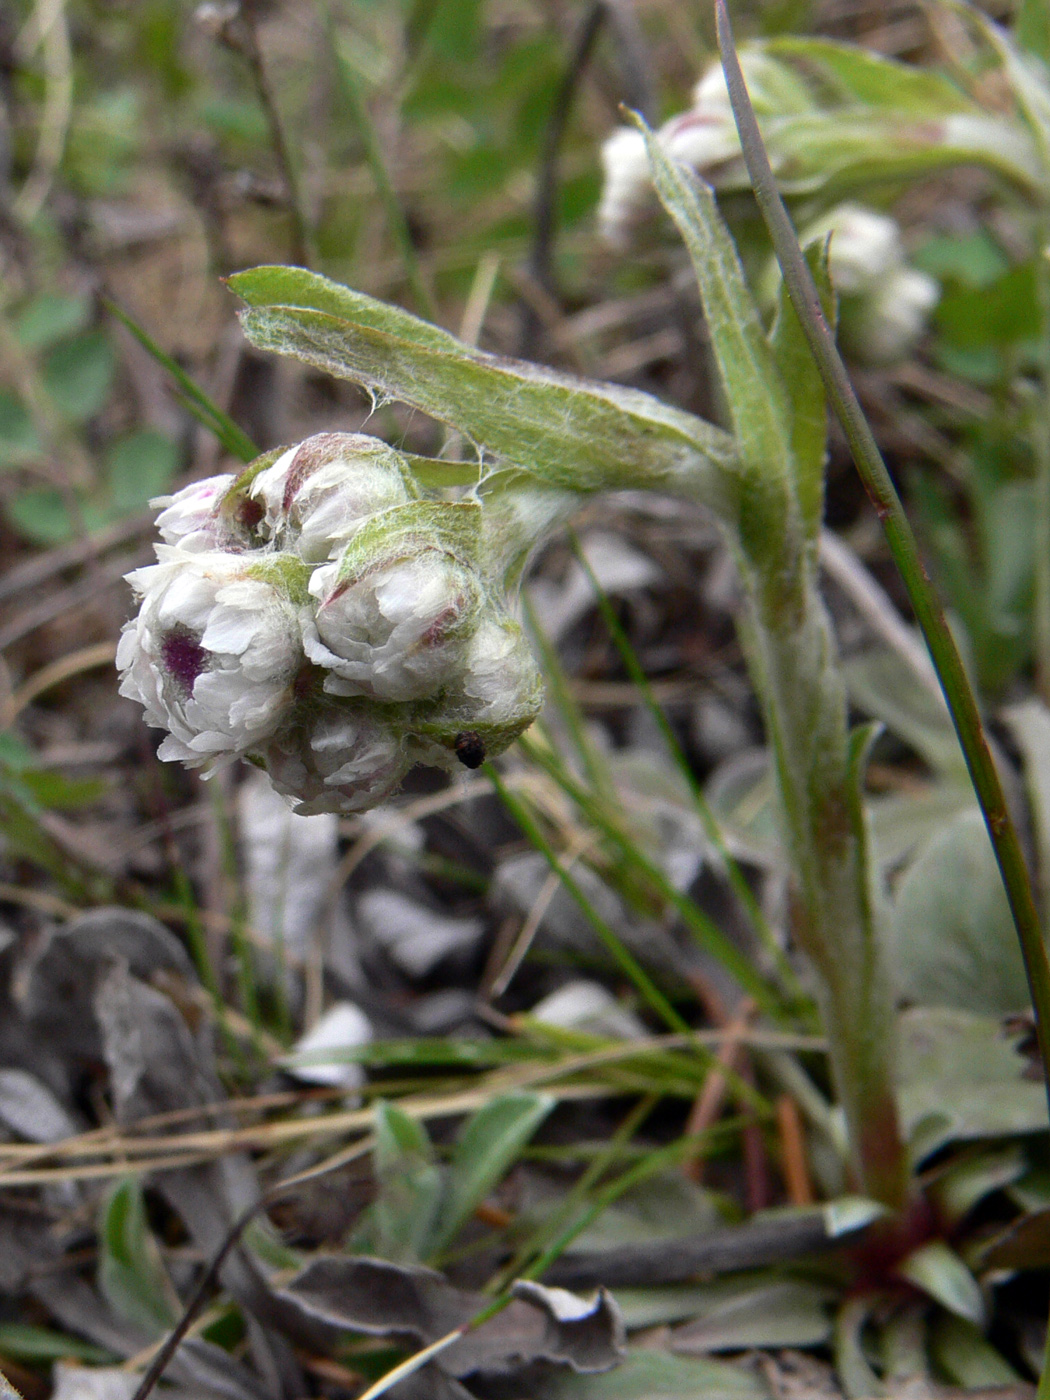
{"type": "Point", "coordinates": [885, 302]}
{"type": "Point", "coordinates": [497, 695]}
{"type": "Point", "coordinates": [395, 613]}
{"type": "Point", "coordinates": [321, 618]}
{"type": "Point", "coordinates": [344, 759]}
{"type": "Point", "coordinates": [893, 317]}
{"type": "Point", "coordinates": [316, 496]}
{"type": "Point", "coordinates": [703, 137]}
{"type": "Point", "coordinates": [626, 186]}
{"type": "Point", "coordinates": [213, 652]}
{"type": "Point", "coordinates": [865, 245]}
{"type": "Point", "coordinates": [191, 517]}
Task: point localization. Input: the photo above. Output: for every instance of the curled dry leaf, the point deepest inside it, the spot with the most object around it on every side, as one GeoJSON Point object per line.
{"type": "Point", "coordinates": [539, 1324]}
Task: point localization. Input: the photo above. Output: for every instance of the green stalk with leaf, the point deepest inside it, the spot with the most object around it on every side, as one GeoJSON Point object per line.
{"type": "Point", "coordinates": [545, 441]}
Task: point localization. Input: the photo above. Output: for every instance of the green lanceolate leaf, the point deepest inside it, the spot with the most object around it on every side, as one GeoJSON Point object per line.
{"type": "Point", "coordinates": [875, 118]}
{"type": "Point", "coordinates": [855, 1373]}
{"type": "Point", "coordinates": [809, 408]}
{"type": "Point", "coordinates": [570, 433]}
{"type": "Point", "coordinates": [1032, 28]}
{"type": "Point", "coordinates": [952, 935]}
{"type": "Point", "coordinates": [758, 403]}
{"type": "Point", "coordinates": [486, 1148]}
{"type": "Point", "coordinates": [962, 1353]}
{"type": "Point", "coordinates": [962, 1079]}
{"type": "Point", "coordinates": [850, 149]}
{"type": "Point", "coordinates": [131, 1274]}
{"type": "Point", "coordinates": [851, 75]}
{"type": "Point", "coordinates": [967, 1180]}
{"type": "Point", "coordinates": [410, 1186]}
{"type": "Point", "coordinates": [657, 1375]}
{"type": "Point", "coordinates": [1029, 724]}
{"type": "Point", "coordinates": [1026, 72]}
{"type": "Point", "coordinates": [25, 1342]}
{"type": "Point", "coordinates": [751, 1310]}
{"type": "Point", "coordinates": [78, 374]}
{"type": "Point", "coordinates": [941, 1274]}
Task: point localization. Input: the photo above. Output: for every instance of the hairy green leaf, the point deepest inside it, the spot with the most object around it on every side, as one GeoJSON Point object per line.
{"type": "Point", "coordinates": [409, 1183]}
{"type": "Point", "coordinates": [953, 937]}
{"type": "Point", "coordinates": [851, 75]}
{"type": "Point", "coordinates": [131, 1274]}
{"type": "Point", "coordinates": [486, 1148]}
{"type": "Point", "coordinates": [758, 401]}
{"type": "Point", "coordinates": [570, 433]}
{"type": "Point", "coordinates": [809, 409]}
{"type": "Point", "coordinates": [657, 1375]}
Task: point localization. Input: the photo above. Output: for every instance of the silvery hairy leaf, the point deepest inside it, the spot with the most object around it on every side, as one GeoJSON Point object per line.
{"type": "Point", "coordinates": [385, 1299]}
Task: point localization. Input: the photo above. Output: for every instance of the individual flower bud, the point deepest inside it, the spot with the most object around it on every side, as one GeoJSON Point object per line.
{"type": "Point", "coordinates": [702, 139]}
{"type": "Point", "coordinates": [887, 323]}
{"type": "Point", "coordinates": [395, 614]}
{"type": "Point", "coordinates": [884, 303]}
{"type": "Point", "coordinates": [501, 682]}
{"type": "Point", "coordinates": [342, 760]}
{"type": "Point", "coordinates": [497, 696]}
{"type": "Point", "coordinates": [191, 519]}
{"type": "Point", "coordinates": [315, 497]}
{"type": "Point", "coordinates": [213, 651]}
{"type": "Point", "coordinates": [626, 188]}
{"type": "Point", "coordinates": [864, 247]}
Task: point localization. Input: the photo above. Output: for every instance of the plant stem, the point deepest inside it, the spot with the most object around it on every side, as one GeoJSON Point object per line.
{"type": "Point", "coordinates": [791, 651]}
{"type": "Point", "coordinates": [957, 693]}
{"type": "Point", "coordinates": [773, 523]}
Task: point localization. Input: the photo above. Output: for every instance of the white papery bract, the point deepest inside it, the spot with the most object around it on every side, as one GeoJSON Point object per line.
{"type": "Point", "coordinates": [190, 518]}
{"type": "Point", "coordinates": [316, 496]}
{"type": "Point", "coordinates": [212, 653]}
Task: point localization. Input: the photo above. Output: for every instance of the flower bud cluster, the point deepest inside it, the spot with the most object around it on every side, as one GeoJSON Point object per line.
{"type": "Point", "coordinates": [321, 618]}
{"type": "Point", "coordinates": [704, 138]}
{"type": "Point", "coordinates": [884, 302]}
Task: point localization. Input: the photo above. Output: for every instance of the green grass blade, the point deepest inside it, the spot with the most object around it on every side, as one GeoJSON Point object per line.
{"type": "Point", "coordinates": [734, 874]}
{"type": "Point", "coordinates": [623, 958]}
{"type": "Point", "coordinates": [208, 413]}
{"type": "Point", "coordinates": [705, 931]}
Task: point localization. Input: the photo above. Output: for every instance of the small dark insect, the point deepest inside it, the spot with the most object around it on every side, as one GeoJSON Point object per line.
{"type": "Point", "coordinates": [470, 748]}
